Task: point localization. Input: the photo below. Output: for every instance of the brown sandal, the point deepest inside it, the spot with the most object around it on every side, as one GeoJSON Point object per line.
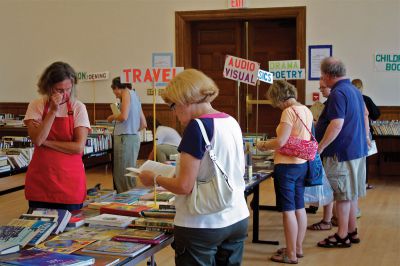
{"type": "Point", "coordinates": [283, 250]}
{"type": "Point", "coordinates": [283, 258]}
{"type": "Point", "coordinates": [320, 226]}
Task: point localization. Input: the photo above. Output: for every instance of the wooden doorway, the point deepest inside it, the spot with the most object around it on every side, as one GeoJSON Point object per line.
{"type": "Point", "coordinates": [203, 38]}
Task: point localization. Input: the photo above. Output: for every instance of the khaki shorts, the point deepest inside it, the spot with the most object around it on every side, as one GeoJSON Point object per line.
{"type": "Point", "coordinates": [347, 178]}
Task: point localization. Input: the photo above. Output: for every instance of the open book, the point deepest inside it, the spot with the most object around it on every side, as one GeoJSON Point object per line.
{"type": "Point", "coordinates": [114, 108]}
{"type": "Point", "coordinates": [156, 167]}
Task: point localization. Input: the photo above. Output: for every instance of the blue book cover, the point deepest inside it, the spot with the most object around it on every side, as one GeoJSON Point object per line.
{"type": "Point", "coordinates": [39, 257]}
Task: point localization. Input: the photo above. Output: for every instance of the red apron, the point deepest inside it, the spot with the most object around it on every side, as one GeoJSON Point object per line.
{"type": "Point", "coordinates": [54, 176]}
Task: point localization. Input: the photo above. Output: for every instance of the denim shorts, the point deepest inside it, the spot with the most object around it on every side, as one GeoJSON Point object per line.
{"type": "Point", "coordinates": [289, 186]}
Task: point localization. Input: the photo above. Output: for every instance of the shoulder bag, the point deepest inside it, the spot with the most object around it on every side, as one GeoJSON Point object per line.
{"type": "Point", "coordinates": [212, 195]}
{"type": "Point", "coordinates": [300, 148]}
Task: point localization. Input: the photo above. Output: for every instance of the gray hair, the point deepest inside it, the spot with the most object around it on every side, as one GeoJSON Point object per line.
{"type": "Point", "coordinates": [333, 67]}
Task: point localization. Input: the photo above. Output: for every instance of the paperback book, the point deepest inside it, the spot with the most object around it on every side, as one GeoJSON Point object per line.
{"type": "Point", "coordinates": [116, 248]}
{"type": "Point", "coordinates": [110, 220]}
{"type": "Point", "coordinates": [65, 246]}
{"type": "Point", "coordinates": [156, 167]}
{"type": "Point", "coordinates": [91, 233]}
{"type": "Point", "coordinates": [123, 209]}
{"type": "Point", "coordinates": [44, 228]}
{"type": "Point", "coordinates": [11, 235]}
{"type": "Point", "coordinates": [63, 217]}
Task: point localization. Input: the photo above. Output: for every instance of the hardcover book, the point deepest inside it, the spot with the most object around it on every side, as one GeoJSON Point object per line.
{"type": "Point", "coordinates": [40, 257]}
{"type": "Point", "coordinates": [16, 235]}
{"type": "Point", "coordinates": [123, 209]}
{"type": "Point", "coordinates": [116, 248]}
{"type": "Point", "coordinates": [142, 240]}
{"type": "Point", "coordinates": [65, 246]}
{"type": "Point", "coordinates": [143, 234]}
{"type": "Point", "coordinates": [44, 228]}
{"type": "Point", "coordinates": [63, 217]}
{"type": "Point", "coordinates": [91, 233]}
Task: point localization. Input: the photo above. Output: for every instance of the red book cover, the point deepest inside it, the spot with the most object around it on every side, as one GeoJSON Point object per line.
{"type": "Point", "coordinates": [123, 209]}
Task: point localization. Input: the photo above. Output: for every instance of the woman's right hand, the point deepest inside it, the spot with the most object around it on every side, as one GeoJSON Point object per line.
{"type": "Point", "coordinates": [260, 146]}
{"type": "Point", "coordinates": [55, 101]}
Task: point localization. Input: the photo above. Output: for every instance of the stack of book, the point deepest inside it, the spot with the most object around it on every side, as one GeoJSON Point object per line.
{"type": "Point", "coordinates": [153, 224]}
{"type": "Point", "coordinates": [141, 236]}
{"type": "Point", "coordinates": [116, 248]}
{"type": "Point", "coordinates": [12, 237]}
{"type": "Point", "coordinates": [62, 216]}
{"type": "Point", "coordinates": [4, 166]}
{"type": "Point", "coordinates": [42, 225]}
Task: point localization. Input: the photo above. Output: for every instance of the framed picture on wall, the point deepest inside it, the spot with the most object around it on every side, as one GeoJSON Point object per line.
{"type": "Point", "coordinates": [315, 55]}
{"type": "Point", "coordinates": [162, 60]}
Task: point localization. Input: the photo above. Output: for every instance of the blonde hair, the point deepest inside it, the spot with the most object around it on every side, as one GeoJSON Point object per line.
{"type": "Point", "coordinates": [190, 86]}
{"type": "Point", "coordinates": [358, 84]}
{"type": "Point", "coordinates": [280, 91]}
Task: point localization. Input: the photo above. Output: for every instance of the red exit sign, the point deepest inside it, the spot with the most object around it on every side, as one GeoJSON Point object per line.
{"type": "Point", "coordinates": [237, 3]}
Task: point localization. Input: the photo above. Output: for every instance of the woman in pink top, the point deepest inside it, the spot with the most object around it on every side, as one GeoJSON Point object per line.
{"type": "Point", "coordinates": [289, 172]}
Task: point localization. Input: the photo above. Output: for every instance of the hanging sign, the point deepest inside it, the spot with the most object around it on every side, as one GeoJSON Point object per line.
{"type": "Point", "coordinates": [265, 76]}
{"type": "Point", "coordinates": [389, 62]}
{"type": "Point", "coordinates": [238, 3]}
{"type": "Point", "coordinates": [240, 69]}
{"type": "Point", "coordinates": [87, 76]}
{"type": "Point", "coordinates": [286, 69]}
{"type": "Point", "coordinates": [151, 74]}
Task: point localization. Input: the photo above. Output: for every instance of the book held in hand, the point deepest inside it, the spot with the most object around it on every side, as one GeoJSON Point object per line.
{"type": "Point", "coordinates": [114, 108]}
{"type": "Point", "coordinates": [156, 167]}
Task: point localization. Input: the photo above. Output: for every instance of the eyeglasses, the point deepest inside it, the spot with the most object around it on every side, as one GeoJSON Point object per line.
{"type": "Point", "coordinates": [172, 106]}
{"type": "Point", "coordinates": [62, 91]}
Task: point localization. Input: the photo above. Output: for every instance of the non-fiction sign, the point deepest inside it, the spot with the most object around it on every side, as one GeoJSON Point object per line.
{"type": "Point", "coordinates": [152, 74]}
{"type": "Point", "coordinates": [286, 69]}
{"type": "Point", "coordinates": [265, 76]}
{"type": "Point", "coordinates": [87, 76]}
{"type": "Point", "coordinates": [388, 62]}
{"type": "Point", "coordinates": [241, 70]}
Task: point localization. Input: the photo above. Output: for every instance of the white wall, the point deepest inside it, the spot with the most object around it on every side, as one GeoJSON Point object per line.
{"type": "Point", "coordinates": [108, 35]}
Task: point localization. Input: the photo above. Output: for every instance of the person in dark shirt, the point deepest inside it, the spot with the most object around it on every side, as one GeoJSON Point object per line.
{"type": "Point", "coordinates": [373, 115]}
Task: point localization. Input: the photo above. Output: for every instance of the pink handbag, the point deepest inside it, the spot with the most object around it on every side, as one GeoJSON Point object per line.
{"type": "Point", "coordinates": [300, 148]}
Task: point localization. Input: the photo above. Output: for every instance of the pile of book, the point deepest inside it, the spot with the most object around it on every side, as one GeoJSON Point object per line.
{"type": "Point", "coordinates": [386, 128]}
{"type": "Point", "coordinates": [4, 166]}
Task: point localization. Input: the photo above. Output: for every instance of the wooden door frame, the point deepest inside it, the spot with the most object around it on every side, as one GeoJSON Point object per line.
{"type": "Point", "coordinates": [183, 20]}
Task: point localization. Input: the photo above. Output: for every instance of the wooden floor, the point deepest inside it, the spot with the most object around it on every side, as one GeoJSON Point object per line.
{"type": "Point", "coordinates": [379, 227]}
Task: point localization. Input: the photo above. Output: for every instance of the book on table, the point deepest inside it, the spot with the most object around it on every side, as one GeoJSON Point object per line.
{"type": "Point", "coordinates": [16, 235]}
{"type": "Point", "coordinates": [44, 228]}
{"type": "Point", "coordinates": [40, 257]}
{"type": "Point", "coordinates": [9, 248]}
{"type": "Point", "coordinates": [63, 217]}
{"type": "Point", "coordinates": [156, 167]}
{"type": "Point", "coordinates": [116, 248]}
{"type": "Point", "coordinates": [164, 196]}
{"type": "Point", "coordinates": [91, 233]}
{"type": "Point", "coordinates": [141, 236]}
{"type": "Point", "coordinates": [65, 246]}
{"type": "Point", "coordinates": [110, 220]}
{"type": "Point", "coordinates": [123, 209]}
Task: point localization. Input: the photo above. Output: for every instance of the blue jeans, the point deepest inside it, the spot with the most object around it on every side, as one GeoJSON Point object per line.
{"type": "Point", "coordinates": [289, 186]}
{"type": "Point", "coordinates": [209, 247]}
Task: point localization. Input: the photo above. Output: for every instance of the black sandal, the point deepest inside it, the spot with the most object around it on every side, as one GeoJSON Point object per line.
{"type": "Point", "coordinates": [320, 226]}
{"type": "Point", "coordinates": [353, 239]}
{"type": "Point", "coordinates": [339, 243]}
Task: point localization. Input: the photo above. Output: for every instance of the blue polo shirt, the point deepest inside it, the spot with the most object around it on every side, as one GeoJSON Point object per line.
{"type": "Point", "coordinates": [344, 102]}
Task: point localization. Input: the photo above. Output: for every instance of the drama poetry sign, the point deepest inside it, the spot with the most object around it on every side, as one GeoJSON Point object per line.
{"type": "Point", "coordinates": [241, 70]}
{"type": "Point", "coordinates": [151, 74]}
{"type": "Point", "coordinates": [286, 69]}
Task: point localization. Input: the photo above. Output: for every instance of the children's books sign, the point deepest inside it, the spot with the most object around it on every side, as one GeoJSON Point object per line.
{"type": "Point", "coordinates": [151, 74]}
{"type": "Point", "coordinates": [241, 70]}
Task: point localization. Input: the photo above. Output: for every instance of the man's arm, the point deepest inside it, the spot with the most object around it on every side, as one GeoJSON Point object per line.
{"type": "Point", "coordinates": [366, 123]}
{"type": "Point", "coordinates": [332, 131]}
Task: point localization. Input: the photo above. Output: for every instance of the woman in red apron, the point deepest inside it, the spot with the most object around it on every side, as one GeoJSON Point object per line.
{"type": "Point", "coordinates": [56, 175]}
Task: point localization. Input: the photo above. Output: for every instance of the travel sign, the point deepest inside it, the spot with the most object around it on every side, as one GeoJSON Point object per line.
{"type": "Point", "coordinates": [151, 74]}
{"type": "Point", "coordinates": [241, 70]}
{"type": "Point", "coordinates": [286, 69]}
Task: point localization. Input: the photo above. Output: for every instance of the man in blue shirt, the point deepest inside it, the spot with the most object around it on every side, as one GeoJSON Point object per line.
{"type": "Point", "coordinates": [343, 142]}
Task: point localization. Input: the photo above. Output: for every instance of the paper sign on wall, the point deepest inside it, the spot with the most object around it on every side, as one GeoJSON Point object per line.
{"type": "Point", "coordinates": [389, 62]}
{"type": "Point", "coordinates": [87, 76]}
{"type": "Point", "coordinates": [151, 74]}
{"type": "Point", "coordinates": [240, 69]}
{"type": "Point", "coordinates": [286, 69]}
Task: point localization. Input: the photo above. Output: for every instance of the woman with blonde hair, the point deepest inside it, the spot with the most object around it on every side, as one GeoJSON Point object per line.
{"type": "Point", "coordinates": [289, 172]}
{"type": "Point", "coordinates": [214, 238]}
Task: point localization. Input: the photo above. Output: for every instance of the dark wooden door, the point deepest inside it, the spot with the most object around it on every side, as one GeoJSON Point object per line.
{"type": "Point", "coordinates": [258, 40]}
{"type": "Point", "coordinates": [211, 42]}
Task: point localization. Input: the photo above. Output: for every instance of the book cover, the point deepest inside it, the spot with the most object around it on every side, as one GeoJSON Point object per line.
{"type": "Point", "coordinates": [116, 248]}
{"type": "Point", "coordinates": [123, 209]}
{"type": "Point", "coordinates": [159, 213]}
{"type": "Point", "coordinates": [160, 196]}
{"type": "Point", "coordinates": [65, 246]}
{"type": "Point", "coordinates": [44, 228]}
{"type": "Point", "coordinates": [9, 248]}
{"type": "Point", "coordinates": [161, 222]}
{"type": "Point", "coordinates": [126, 198]}
{"type": "Point", "coordinates": [40, 257]}
{"type": "Point", "coordinates": [110, 220]}
{"type": "Point", "coordinates": [143, 234]}
{"type": "Point", "coordinates": [142, 240]}
{"type": "Point", "coordinates": [114, 108]}
{"type": "Point", "coordinates": [91, 233]}
{"type": "Point", "coordinates": [16, 235]}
